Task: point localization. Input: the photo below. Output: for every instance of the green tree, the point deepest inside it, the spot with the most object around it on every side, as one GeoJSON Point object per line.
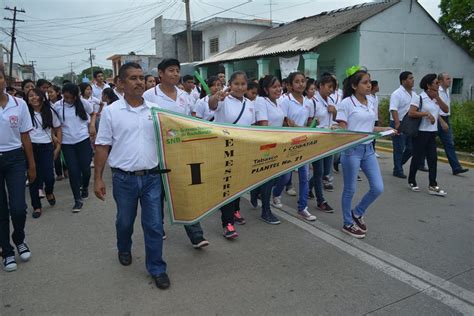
{"type": "Point", "coordinates": [457, 19]}
{"type": "Point", "coordinates": [108, 73]}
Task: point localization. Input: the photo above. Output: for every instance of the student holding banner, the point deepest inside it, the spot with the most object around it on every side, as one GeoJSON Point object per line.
{"type": "Point", "coordinates": [299, 112]}
{"type": "Point", "coordinates": [234, 108]}
{"type": "Point", "coordinates": [268, 112]}
{"type": "Point", "coordinates": [356, 113]}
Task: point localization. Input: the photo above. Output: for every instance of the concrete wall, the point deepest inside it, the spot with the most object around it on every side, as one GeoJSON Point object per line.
{"type": "Point", "coordinates": [397, 40]}
{"type": "Point", "coordinates": [181, 47]}
{"type": "Point", "coordinates": [164, 41]}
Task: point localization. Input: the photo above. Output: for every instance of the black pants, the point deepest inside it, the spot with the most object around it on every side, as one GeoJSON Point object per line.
{"type": "Point", "coordinates": [43, 154]}
{"type": "Point", "coordinates": [424, 145]}
{"type": "Point", "coordinates": [228, 211]}
{"type": "Point", "coordinates": [12, 179]}
{"type": "Point", "coordinates": [78, 159]}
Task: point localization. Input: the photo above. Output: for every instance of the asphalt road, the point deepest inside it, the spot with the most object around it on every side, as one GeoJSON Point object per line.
{"type": "Point", "coordinates": [417, 259]}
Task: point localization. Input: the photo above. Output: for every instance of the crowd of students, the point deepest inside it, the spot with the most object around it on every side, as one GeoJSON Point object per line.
{"type": "Point", "coordinates": [45, 129]}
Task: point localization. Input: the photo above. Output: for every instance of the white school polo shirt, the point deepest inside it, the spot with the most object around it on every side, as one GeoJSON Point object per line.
{"type": "Point", "coordinates": [445, 95]}
{"type": "Point", "coordinates": [97, 91]}
{"type": "Point", "coordinates": [297, 112]}
{"type": "Point", "coordinates": [430, 106]}
{"type": "Point", "coordinates": [400, 101]}
{"type": "Point", "coordinates": [325, 119]}
{"type": "Point", "coordinates": [228, 111]}
{"type": "Point", "coordinates": [131, 134]}
{"type": "Point", "coordinates": [156, 96]}
{"type": "Point", "coordinates": [74, 129]}
{"type": "Point", "coordinates": [95, 103]}
{"type": "Point", "coordinates": [14, 120]}
{"type": "Point", "coordinates": [39, 135]}
{"type": "Point", "coordinates": [202, 109]}
{"type": "Point", "coordinates": [336, 97]}
{"type": "Point", "coordinates": [118, 94]}
{"type": "Point", "coordinates": [266, 110]}
{"type": "Point", "coordinates": [358, 117]}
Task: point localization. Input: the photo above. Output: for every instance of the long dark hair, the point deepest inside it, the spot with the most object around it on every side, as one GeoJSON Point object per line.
{"type": "Point", "coordinates": [46, 111]}
{"type": "Point", "coordinates": [109, 92]}
{"type": "Point", "coordinates": [210, 82]}
{"type": "Point", "coordinates": [58, 92]}
{"type": "Point", "coordinates": [352, 80]}
{"type": "Point", "coordinates": [74, 90]}
{"type": "Point", "coordinates": [83, 86]}
{"type": "Point", "coordinates": [265, 83]}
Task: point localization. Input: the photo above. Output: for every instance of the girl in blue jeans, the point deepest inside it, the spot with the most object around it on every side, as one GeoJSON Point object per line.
{"type": "Point", "coordinates": [357, 113]}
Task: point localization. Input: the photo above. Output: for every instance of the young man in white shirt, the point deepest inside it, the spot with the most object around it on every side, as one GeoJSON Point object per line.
{"type": "Point", "coordinates": [188, 84]}
{"type": "Point", "coordinates": [99, 84]}
{"type": "Point", "coordinates": [126, 129]}
{"type": "Point", "coordinates": [400, 101]}
{"type": "Point", "coordinates": [446, 137]}
{"type": "Point", "coordinates": [167, 96]}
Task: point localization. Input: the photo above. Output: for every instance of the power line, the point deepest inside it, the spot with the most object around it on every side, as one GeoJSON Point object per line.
{"type": "Point", "coordinates": [15, 10]}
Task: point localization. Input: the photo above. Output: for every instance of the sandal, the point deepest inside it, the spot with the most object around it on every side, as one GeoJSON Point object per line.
{"type": "Point", "coordinates": [51, 201]}
{"type": "Point", "coordinates": [36, 213]}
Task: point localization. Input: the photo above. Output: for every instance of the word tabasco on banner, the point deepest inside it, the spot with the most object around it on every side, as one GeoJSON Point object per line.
{"type": "Point", "coordinates": [211, 164]}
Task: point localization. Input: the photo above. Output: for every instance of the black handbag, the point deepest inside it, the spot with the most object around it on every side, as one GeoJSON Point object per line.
{"type": "Point", "coordinates": [410, 125]}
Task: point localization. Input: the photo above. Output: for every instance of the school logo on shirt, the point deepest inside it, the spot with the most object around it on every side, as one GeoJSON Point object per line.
{"type": "Point", "coordinates": [182, 102]}
{"type": "Point", "coordinates": [13, 121]}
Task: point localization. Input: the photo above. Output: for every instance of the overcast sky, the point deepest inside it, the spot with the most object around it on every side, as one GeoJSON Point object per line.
{"type": "Point", "coordinates": [57, 32]}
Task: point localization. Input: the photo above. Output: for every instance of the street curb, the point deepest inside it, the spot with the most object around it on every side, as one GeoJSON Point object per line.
{"type": "Point", "coordinates": [443, 159]}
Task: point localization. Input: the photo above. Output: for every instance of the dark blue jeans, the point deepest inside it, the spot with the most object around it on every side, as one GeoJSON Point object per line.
{"type": "Point", "coordinates": [265, 191]}
{"type": "Point", "coordinates": [128, 190]}
{"type": "Point", "coordinates": [319, 166]}
{"type": "Point", "coordinates": [43, 154]}
{"type": "Point", "coordinates": [78, 159]}
{"type": "Point", "coordinates": [402, 149]}
{"type": "Point", "coordinates": [448, 144]}
{"type": "Point", "coordinates": [13, 177]}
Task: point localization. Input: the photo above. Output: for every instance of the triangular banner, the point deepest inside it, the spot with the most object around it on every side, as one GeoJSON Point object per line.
{"type": "Point", "coordinates": [212, 163]}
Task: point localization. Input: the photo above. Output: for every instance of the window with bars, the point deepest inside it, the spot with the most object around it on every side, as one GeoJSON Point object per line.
{"type": "Point", "coordinates": [214, 45]}
{"type": "Point", "coordinates": [457, 86]}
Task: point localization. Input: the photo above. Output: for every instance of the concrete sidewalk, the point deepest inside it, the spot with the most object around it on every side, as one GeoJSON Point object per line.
{"type": "Point", "coordinates": [417, 259]}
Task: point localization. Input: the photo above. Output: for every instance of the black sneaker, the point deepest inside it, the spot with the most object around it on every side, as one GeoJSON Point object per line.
{"type": "Point", "coordinates": [200, 243]}
{"type": "Point", "coordinates": [459, 171]}
{"type": "Point", "coordinates": [335, 166]}
{"type": "Point", "coordinates": [270, 219]}
{"type": "Point", "coordinates": [325, 207]}
{"type": "Point", "coordinates": [359, 221]}
{"type": "Point", "coordinates": [77, 207]}
{"type": "Point", "coordinates": [400, 175]}
{"type": "Point", "coordinates": [125, 258]}
{"type": "Point", "coordinates": [24, 252]}
{"type": "Point", "coordinates": [162, 281]}
{"type": "Point", "coordinates": [329, 187]}
{"type": "Point", "coordinates": [84, 194]}
{"type": "Point", "coordinates": [9, 264]}
{"type": "Point", "coordinates": [354, 231]}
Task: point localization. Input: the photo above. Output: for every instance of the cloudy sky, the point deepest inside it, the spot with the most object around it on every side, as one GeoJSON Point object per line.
{"type": "Point", "coordinates": [57, 32]}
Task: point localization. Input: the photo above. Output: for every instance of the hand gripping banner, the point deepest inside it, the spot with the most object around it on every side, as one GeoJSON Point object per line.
{"type": "Point", "coordinates": [211, 164]}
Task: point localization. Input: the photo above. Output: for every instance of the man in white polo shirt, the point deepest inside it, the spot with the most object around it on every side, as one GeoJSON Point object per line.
{"type": "Point", "coordinates": [99, 84]}
{"type": "Point", "coordinates": [167, 96]}
{"type": "Point", "coordinates": [400, 101]}
{"type": "Point", "coordinates": [447, 137]}
{"type": "Point", "coordinates": [127, 128]}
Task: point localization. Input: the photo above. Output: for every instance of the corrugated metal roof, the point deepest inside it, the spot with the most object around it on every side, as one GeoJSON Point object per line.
{"type": "Point", "coordinates": [302, 35]}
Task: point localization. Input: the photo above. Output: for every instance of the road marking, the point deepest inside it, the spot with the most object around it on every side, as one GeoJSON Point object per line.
{"type": "Point", "coordinates": [448, 293]}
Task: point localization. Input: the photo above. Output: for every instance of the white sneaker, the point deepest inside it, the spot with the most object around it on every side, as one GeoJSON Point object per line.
{"type": "Point", "coordinates": [305, 214]}
{"type": "Point", "coordinates": [377, 155]}
{"type": "Point", "coordinates": [436, 191]}
{"type": "Point", "coordinates": [9, 264]}
{"type": "Point", "coordinates": [276, 202]}
{"type": "Point", "coordinates": [291, 191]}
{"type": "Point", "coordinates": [41, 194]}
{"type": "Point", "coordinates": [24, 252]}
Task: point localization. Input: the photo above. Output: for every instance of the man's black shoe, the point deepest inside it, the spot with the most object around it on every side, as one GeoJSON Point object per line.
{"type": "Point", "coordinates": [125, 258]}
{"type": "Point", "coordinates": [459, 171]}
{"type": "Point", "coordinates": [424, 169]}
{"type": "Point", "coordinates": [162, 281]}
{"type": "Point", "coordinates": [400, 175]}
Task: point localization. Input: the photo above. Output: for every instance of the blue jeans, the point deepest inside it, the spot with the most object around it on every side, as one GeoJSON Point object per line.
{"type": "Point", "coordinates": [127, 191]}
{"type": "Point", "coordinates": [78, 159]}
{"type": "Point", "coordinates": [43, 154]}
{"type": "Point", "coordinates": [448, 144]}
{"type": "Point", "coordinates": [265, 191]}
{"type": "Point", "coordinates": [12, 176]}
{"type": "Point", "coordinates": [320, 169]}
{"type": "Point", "coordinates": [361, 156]}
{"type": "Point", "coordinates": [303, 186]}
{"type": "Point", "coordinates": [402, 148]}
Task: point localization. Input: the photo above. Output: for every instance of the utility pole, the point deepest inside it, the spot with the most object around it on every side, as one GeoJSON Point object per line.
{"type": "Point", "coordinates": [90, 59]}
{"type": "Point", "coordinates": [32, 62]}
{"type": "Point", "coordinates": [15, 10]}
{"type": "Point", "coordinates": [189, 32]}
{"type": "Point", "coordinates": [43, 75]}
{"type": "Point", "coordinates": [71, 72]}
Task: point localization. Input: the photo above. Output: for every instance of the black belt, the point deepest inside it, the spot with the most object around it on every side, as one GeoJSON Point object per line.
{"type": "Point", "coordinates": [140, 173]}
{"type": "Point", "coordinates": [11, 152]}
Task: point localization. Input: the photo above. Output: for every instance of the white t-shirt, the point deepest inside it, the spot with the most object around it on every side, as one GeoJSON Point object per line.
{"type": "Point", "coordinates": [97, 91]}
{"type": "Point", "coordinates": [131, 134]}
{"type": "Point", "coordinates": [358, 117]}
{"type": "Point", "coordinates": [156, 96]}
{"type": "Point", "coordinates": [228, 111]}
{"type": "Point", "coordinates": [39, 135]}
{"type": "Point", "coordinates": [400, 101]}
{"type": "Point", "coordinates": [445, 95]}
{"type": "Point", "coordinates": [74, 129]}
{"type": "Point", "coordinates": [325, 119]}
{"type": "Point", "coordinates": [430, 106]}
{"type": "Point", "coordinates": [14, 120]}
{"type": "Point", "coordinates": [266, 110]}
{"type": "Point", "coordinates": [297, 112]}
{"type": "Point", "coordinates": [201, 108]}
